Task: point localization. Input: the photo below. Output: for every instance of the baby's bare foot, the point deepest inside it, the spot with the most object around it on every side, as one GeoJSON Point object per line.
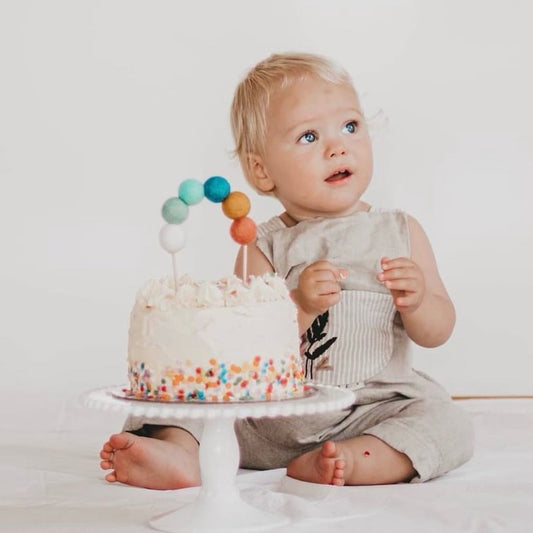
{"type": "Point", "coordinates": [150, 463]}
{"type": "Point", "coordinates": [322, 465]}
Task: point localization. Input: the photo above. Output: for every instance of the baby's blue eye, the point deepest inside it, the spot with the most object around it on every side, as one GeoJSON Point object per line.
{"type": "Point", "coordinates": [350, 127]}
{"type": "Point", "coordinates": [308, 137]}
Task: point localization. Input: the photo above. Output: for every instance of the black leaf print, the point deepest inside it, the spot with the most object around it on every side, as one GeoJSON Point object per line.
{"type": "Point", "coordinates": [321, 349]}
{"type": "Point", "coordinates": [315, 333]}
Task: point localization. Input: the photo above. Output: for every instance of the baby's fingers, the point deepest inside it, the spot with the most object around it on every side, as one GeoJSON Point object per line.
{"type": "Point", "coordinates": [402, 284]}
{"type": "Point", "coordinates": [325, 268]}
{"type": "Point", "coordinates": [329, 300]}
{"type": "Point", "coordinates": [398, 262]}
{"type": "Point", "coordinates": [328, 287]}
{"type": "Point", "coordinates": [397, 273]}
{"type": "Point", "coordinates": [405, 300]}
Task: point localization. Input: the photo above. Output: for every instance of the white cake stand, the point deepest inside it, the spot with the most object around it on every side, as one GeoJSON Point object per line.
{"type": "Point", "coordinates": [219, 507]}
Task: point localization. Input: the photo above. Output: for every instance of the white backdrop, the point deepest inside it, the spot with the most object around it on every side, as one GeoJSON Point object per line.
{"type": "Point", "coordinates": [105, 106]}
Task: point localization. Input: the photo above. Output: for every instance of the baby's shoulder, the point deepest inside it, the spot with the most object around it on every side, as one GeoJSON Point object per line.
{"type": "Point", "coordinates": [272, 224]}
{"type": "Point", "coordinates": [388, 215]}
{"type": "Point", "coordinates": [409, 226]}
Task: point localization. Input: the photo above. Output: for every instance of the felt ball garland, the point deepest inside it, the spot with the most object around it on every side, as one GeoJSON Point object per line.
{"type": "Point", "coordinates": [235, 205]}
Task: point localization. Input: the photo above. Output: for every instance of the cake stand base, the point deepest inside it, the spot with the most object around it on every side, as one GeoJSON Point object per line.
{"type": "Point", "coordinates": [219, 507]}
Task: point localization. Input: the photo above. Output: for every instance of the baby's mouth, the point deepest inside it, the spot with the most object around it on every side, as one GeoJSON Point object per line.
{"type": "Point", "coordinates": [339, 175]}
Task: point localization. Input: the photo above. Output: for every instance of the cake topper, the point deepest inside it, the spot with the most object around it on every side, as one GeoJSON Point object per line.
{"type": "Point", "coordinates": [235, 205]}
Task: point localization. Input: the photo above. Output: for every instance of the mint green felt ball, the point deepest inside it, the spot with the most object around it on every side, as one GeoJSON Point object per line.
{"type": "Point", "coordinates": [174, 210]}
{"type": "Point", "coordinates": [191, 191]}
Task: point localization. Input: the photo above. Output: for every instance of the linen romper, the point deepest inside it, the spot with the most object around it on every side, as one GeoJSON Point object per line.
{"type": "Point", "coordinates": [360, 344]}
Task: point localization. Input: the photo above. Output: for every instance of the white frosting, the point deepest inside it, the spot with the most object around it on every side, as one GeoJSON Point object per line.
{"type": "Point", "coordinates": [226, 292]}
{"type": "Point", "coordinates": [223, 321]}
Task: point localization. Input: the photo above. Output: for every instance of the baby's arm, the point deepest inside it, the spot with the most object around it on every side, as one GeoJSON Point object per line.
{"type": "Point", "coordinates": [257, 263]}
{"type": "Point", "coordinates": [419, 294]}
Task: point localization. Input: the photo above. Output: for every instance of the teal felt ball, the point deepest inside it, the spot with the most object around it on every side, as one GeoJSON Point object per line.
{"type": "Point", "coordinates": [216, 189]}
{"type": "Point", "coordinates": [174, 210]}
{"type": "Point", "coordinates": [191, 191]}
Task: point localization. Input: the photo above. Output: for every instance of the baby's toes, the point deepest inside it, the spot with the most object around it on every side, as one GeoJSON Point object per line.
{"type": "Point", "coordinates": [111, 477]}
{"type": "Point", "coordinates": [107, 447]}
{"type": "Point", "coordinates": [106, 465]}
{"type": "Point", "coordinates": [338, 473]}
{"type": "Point", "coordinates": [105, 454]}
{"type": "Point", "coordinates": [107, 457]}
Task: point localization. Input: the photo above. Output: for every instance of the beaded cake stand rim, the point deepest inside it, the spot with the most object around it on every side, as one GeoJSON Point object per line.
{"type": "Point", "coordinates": [326, 398]}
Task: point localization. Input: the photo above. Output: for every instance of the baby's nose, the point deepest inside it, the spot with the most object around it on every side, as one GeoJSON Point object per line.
{"type": "Point", "coordinates": [336, 149]}
{"type": "Point", "coordinates": [335, 145]}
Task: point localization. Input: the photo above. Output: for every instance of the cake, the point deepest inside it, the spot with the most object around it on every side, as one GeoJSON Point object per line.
{"type": "Point", "coordinates": [220, 341]}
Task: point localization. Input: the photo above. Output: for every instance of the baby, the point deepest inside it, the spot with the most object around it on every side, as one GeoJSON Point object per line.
{"type": "Point", "coordinates": [365, 281]}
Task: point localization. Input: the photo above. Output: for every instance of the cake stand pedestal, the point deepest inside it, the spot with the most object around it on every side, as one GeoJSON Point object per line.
{"type": "Point", "coordinates": [219, 507]}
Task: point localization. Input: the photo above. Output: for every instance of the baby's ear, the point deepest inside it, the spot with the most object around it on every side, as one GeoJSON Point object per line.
{"type": "Point", "coordinates": [259, 174]}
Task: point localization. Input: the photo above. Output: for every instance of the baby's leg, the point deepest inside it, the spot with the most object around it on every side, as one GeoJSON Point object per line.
{"type": "Point", "coordinates": [363, 460]}
{"type": "Point", "coordinates": [168, 459]}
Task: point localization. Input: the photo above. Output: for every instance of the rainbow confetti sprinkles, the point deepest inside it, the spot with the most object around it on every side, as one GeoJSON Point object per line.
{"type": "Point", "coordinates": [256, 379]}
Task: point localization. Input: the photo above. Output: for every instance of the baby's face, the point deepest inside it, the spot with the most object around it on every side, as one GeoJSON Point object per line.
{"type": "Point", "coordinates": [318, 155]}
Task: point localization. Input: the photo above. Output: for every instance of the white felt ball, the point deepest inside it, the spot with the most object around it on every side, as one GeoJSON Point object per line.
{"type": "Point", "coordinates": [172, 238]}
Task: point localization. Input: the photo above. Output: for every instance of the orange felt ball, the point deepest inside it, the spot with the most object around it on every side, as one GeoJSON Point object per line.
{"type": "Point", "coordinates": [236, 205]}
{"type": "Point", "coordinates": [243, 230]}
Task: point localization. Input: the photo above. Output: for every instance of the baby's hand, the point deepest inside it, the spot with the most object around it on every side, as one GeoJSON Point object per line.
{"type": "Point", "coordinates": [404, 278]}
{"type": "Point", "coordinates": [319, 287]}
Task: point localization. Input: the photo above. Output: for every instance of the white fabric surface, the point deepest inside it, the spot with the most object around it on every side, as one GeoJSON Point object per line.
{"type": "Point", "coordinates": [51, 481]}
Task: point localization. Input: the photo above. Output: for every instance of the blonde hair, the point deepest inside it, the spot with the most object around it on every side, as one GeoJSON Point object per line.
{"type": "Point", "coordinates": [252, 96]}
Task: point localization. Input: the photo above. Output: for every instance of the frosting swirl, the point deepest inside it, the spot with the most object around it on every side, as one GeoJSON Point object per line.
{"type": "Point", "coordinates": [225, 292]}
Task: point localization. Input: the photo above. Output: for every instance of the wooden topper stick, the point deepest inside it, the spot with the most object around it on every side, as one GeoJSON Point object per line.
{"type": "Point", "coordinates": [245, 264]}
{"type": "Point", "coordinates": [175, 272]}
